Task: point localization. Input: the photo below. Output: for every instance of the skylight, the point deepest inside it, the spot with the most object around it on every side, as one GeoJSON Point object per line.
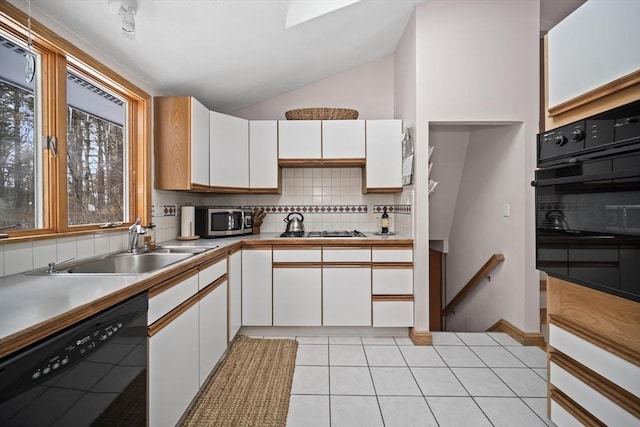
{"type": "Point", "coordinates": [304, 10]}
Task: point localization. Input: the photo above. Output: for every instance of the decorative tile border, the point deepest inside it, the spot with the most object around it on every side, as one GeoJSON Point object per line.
{"type": "Point", "coordinates": [340, 209]}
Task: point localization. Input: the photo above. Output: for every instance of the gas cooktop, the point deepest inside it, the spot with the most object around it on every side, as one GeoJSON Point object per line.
{"type": "Point", "coordinates": [326, 233]}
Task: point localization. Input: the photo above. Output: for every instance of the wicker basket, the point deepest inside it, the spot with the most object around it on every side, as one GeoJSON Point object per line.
{"type": "Point", "coordinates": [321, 114]}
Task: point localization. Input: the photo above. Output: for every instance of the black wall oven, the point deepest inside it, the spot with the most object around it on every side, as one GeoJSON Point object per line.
{"type": "Point", "coordinates": [588, 202]}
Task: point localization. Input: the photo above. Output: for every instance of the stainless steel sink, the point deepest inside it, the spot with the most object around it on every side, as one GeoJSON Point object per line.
{"type": "Point", "coordinates": [127, 263]}
{"type": "Point", "coordinates": [181, 249]}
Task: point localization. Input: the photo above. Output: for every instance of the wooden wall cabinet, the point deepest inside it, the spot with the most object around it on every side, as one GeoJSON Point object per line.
{"type": "Point", "coordinates": [228, 154]}
{"type": "Point", "coordinates": [181, 144]}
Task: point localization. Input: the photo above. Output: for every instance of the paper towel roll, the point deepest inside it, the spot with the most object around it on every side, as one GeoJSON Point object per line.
{"type": "Point", "coordinates": [187, 223]}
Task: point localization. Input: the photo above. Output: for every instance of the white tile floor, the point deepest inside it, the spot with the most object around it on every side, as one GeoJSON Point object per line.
{"type": "Point", "coordinates": [464, 379]}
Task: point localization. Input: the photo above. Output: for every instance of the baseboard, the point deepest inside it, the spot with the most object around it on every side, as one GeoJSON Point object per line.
{"type": "Point", "coordinates": [420, 337]}
{"type": "Point", "coordinates": [524, 338]}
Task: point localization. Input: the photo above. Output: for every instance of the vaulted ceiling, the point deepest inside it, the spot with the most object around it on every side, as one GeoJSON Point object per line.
{"type": "Point", "coordinates": [233, 53]}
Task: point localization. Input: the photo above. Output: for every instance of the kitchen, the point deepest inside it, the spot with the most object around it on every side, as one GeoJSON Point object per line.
{"type": "Point", "coordinates": [394, 78]}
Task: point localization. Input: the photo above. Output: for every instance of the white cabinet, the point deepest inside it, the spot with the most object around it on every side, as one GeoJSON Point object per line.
{"type": "Point", "coordinates": [392, 286]}
{"type": "Point", "coordinates": [299, 139]}
{"type": "Point", "coordinates": [235, 293]}
{"type": "Point", "coordinates": [297, 286]}
{"type": "Point", "coordinates": [297, 296]}
{"type": "Point", "coordinates": [343, 139]}
{"type": "Point", "coordinates": [346, 286]}
{"type": "Point", "coordinates": [263, 156]}
{"type": "Point", "coordinates": [181, 143]}
{"type": "Point", "coordinates": [392, 280]}
{"type": "Point", "coordinates": [212, 327]}
{"type": "Point", "coordinates": [162, 303]}
{"type": "Point", "coordinates": [229, 152]}
{"type": "Point", "coordinates": [173, 368]}
{"type": "Point", "coordinates": [392, 313]}
{"type": "Point", "coordinates": [384, 156]}
{"type": "Point", "coordinates": [256, 286]}
{"type": "Point", "coordinates": [346, 296]}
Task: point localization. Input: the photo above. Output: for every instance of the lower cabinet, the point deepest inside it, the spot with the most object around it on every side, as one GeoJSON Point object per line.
{"type": "Point", "coordinates": [388, 313]}
{"type": "Point", "coordinates": [297, 296]}
{"type": "Point", "coordinates": [256, 286]}
{"type": "Point", "coordinates": [346, 296]}
{"type": "Point", "coordinates": [173, 368]}
{"type": "Point", "coordinates": [212, 327]}
{"type": "Point", "coordinates": [235, 293]}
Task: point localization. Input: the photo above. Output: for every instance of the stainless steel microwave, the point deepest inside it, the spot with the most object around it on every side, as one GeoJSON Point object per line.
{"type": "Point", "coordinates": [220, 222]}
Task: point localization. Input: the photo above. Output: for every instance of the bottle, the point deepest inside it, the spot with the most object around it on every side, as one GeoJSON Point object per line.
{"type": "Point", "coordinates": [385, 221]}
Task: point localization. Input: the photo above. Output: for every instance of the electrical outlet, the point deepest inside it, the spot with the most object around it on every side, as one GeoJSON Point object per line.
{"type": "Point", "coordinates": [506, 210]}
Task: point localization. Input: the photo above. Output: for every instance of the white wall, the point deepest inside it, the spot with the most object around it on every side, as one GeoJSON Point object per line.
{"type": "Point", "coordinates": [450, 150]}
{"type": "Point", "coordinates": [478, 63]}
{"type": "Point", "coordinates": [367, 88]}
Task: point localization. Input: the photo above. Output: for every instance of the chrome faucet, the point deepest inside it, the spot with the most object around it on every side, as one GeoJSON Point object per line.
{"type": "Point", "coordinates": [134, 231]}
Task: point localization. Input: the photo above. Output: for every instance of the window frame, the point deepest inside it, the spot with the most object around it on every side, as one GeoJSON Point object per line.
{"type": "Point", "coordinates": [58, 55]}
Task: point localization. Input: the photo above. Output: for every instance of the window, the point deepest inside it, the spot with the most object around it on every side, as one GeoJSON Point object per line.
{"type": "Point", "coordinates": [74, 143]}
{"type": "Point", "coordinates": [96, 153]}
{"type": "Point", "coordinates": [20, 192]}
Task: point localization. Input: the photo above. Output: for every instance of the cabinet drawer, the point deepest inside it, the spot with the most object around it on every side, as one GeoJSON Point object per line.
{"type": "Point", "coordinates": [211, 273]}
{"type": "Point", "coordinates": [164, 302]}
{"type": "Point", "coordinates": [346, 255]}
{"type": "Point", "coordinates": [392, 255]}
{"type": "Point", "coordinates": [393, 313]}
{"type": "Point", "coordinates": [295, 255]}
{"type": "Point", "coordinates": [392, 281]}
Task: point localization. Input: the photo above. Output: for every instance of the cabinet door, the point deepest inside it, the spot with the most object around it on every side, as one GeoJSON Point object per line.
{"type": "Point", "coordinates": [256, 287]}
{"type": "Point", "coordinates": [263, 155]}
{"type": "Point", "coordinates": [213, 329]}
{"type": "Point", "coordinates": [199, 143]}
{"type": "Point", "coordinates": [299, 139]}
{"type": "Point", "coordinates": [297, 296]}
{"type": "Point", "coordinates": [173, 368]}
{"type": "Point", "coordinates": [384, 156]}
{"type": "Point", "coordinates": [343, 139]}
{"type": "Point", "coordinates": [229, 152]}
{"type": "Point", "coordinates": [235, 293]}
{"type": "Point", "coordinates": [389, 280]}
{"type": "Point", "coordinates": [393, 313]}
{"type": "Point", "coordinates": [346, 296]}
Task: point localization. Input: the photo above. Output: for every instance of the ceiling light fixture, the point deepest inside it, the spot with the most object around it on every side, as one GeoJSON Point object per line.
{"type": "Point", "coordinates": [126, 10]}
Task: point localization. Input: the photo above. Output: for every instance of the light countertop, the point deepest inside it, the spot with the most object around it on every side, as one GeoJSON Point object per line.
{"type": "Point", "coordinates": [30, 300]}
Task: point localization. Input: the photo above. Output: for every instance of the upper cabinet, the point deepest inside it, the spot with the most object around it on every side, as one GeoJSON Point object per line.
{"type": "Point", "coordinates": [343, 141]}
{"type": "Point", "coordinates": [181, 144]}
{"type": "Point", "coordinates": [383, 171]}
{"type": "Point", "coordinates": [264, 173]}
{"type": "Point", "coordinates": [228, 153]}
{"type": "Point", "coordinates": [299, 141]}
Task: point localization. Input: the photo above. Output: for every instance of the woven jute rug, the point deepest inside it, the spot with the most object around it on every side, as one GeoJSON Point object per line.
{"type": "Point", "coordinates": [251, 387]}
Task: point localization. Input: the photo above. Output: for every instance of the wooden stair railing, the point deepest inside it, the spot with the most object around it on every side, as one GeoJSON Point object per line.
{"type": "Point", "coordinates": [475, 280]}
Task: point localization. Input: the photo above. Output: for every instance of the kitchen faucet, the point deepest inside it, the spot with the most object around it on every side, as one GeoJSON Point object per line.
{"type": "Point", "coordinates": [134, 231]}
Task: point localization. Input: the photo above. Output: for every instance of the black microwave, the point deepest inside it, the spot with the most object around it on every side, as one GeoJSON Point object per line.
{"type": "Point", "coordinates": [587, 200]}
{"type": "Point", "coordinates": [213, 222]}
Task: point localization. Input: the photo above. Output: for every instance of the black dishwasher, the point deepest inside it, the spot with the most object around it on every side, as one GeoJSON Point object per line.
{"type": "Point", "coordinates": [92, 373]}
